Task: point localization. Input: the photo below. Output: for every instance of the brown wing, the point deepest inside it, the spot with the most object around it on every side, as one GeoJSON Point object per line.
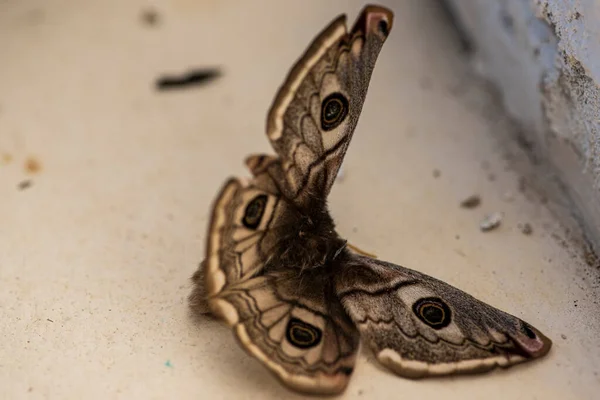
{"type": "Point", "coordinates": [316, 110]}
{"type": "Point", "coordinates": [297, 331]}
{"type": "Point", "coordinates": [418, 326]}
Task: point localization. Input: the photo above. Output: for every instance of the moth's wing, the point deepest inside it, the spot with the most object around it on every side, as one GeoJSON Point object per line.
{"type": "Point", "coordinates": [247, 219]}
{"type": "Point", "coordinates": [259, 163]}
{"type": "Point", "coordinates": [298, 330]}
{"type": "Point", "coordinates": [316, 110]}
{"type": "Point", "coordinates": [418, 326]}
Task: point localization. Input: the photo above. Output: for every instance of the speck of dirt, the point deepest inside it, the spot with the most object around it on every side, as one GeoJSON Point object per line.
{"type": "Point", "coordinates": [6, 158]}
{"type": "Point", "coordinates": [591, 258]}
{"type": "Point", "coordinates": [491, 177]}
{"type": "Point", "coordinates": [563, 336]}
{"type": "Point", "coordinates": [457, 237]}
{"type": "Point", "coordinates": [562, 242]}
{"type": "Point", "coordinates": [526, 228]}
{"type": "Point", "coordinates": [437, 173]}
{"type": "Point", "coordinates": [32, 166]}
{"type": "Point", "coordinates": [360, 392]}
{"type": "Point", "coordinates": [150, 17]}
{"type": "Point", "coordinates": [471, 202]}
{"type": "Point", "coordinates": [24, 184]}
{"type": "Point", "coordinates": [192, 78]}
{"type": "Point", "coordinates": [49, 320]}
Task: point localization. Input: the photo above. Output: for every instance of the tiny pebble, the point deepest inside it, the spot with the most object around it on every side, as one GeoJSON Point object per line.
{"type": "Point", "coordinates": [150, 17]}
{"type": "Point", "coordinates": [490, 222]}
{"type": "Point", "coordinates": [471, 201]}
{"type": "Point", "coordinates": [526, 229]}
{"type": "Point", "coordinates": [563, 336]}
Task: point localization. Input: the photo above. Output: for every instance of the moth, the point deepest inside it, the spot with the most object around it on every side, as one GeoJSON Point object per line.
{"type": "Point", "coordinates": [296, 295]}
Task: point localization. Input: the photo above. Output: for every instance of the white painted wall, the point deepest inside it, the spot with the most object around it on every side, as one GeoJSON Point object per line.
{"type": "Point", "coordinates": [544, 55]}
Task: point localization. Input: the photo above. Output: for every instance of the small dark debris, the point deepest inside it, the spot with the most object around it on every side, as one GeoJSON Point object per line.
{"type": "Point", "coordinates": [526, 228]}
{"type": "Point", "coordinates": [471, 201]}
{"type": "Point", "coordinates": [507, 21]}
{"type": "Point", "coordinates": [49, 320]}
{"type": "Point", "coordinates": [591, 258]}
{"type": "Point", "coordinates": [437, 173]}
{"type": "Point", "coordinates": [193, 78]}
{"type": "Point", "coordinates": [457, 237]}
{"type": "Point", "coordinates": [491, 177]}
{"type": "Point", "coordinates": [24, 184]}
{"type": "Point", "coordinates": [150, 17]}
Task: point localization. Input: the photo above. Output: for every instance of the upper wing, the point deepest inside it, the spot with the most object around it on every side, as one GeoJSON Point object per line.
{"type": "Point", "coordinates": [314, 114]}
{"type": "Point", "coordinates": [419, 326]}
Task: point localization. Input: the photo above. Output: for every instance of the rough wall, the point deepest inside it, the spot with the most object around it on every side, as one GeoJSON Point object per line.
{"type": "Point", "coordinates": [544, 56]}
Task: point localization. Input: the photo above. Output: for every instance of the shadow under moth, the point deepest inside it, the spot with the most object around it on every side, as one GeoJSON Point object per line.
{"type": "Point", "coordinates": [296, 295]}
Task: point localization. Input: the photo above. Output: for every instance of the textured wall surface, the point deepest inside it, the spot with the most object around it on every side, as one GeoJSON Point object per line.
{"type": "Point", "coordinates": [544, 55]}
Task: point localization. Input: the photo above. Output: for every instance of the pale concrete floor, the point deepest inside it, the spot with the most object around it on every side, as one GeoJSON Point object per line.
{"type": "Point", "coordinates": [96, 254]}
